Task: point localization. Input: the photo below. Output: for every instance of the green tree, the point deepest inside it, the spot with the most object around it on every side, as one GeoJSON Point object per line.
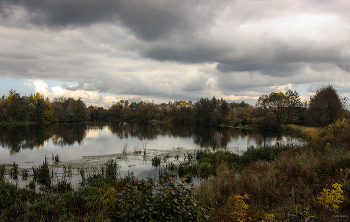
{"type": "Point", "coordinates": [325, 106]}
{"type": "Point", "coordinates": [294, 105]}
{"type": "Point", "coordinates": [275, 103]}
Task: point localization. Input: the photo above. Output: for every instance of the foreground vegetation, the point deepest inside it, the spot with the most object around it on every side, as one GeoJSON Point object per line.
{"type": "Point", "coordinates": [307, 184]}
{"type": "Point", "coordinates": [101, 196]}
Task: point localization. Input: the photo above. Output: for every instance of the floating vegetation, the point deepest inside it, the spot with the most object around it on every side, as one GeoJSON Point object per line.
{"type": "Point", "coordinates": [156, 161]}
{"type": "Point", "coordinates": [55, 158]}
{"type": "Point", "coordinates": [166, 157]}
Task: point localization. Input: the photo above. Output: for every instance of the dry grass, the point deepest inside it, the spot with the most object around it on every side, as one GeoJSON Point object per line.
{"type": "Point", "coordinates": [308, 132]}
{"type": "Point", "coordinates": [285, 187]}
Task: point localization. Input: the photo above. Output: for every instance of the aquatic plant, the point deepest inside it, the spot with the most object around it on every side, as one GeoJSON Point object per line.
{"type": "Point", "coordinates": [31, 184]}
{"type": "Point", "coordinates": [111, 169]}
{"type": "Point", "coordinates": [156, 161]}
{"type": "Point", "coordinates": [14, 171]}
{"type": "Point", "coordinates": [188, 178]}
{"type": "Point", "coordinates": [63, 186]}
{"type": "Point", "coordinates": [55, 158]}
{"type": "Point", "coordinates": [82, 174]}
{"type": "Point", "coordinates": [185, 168]}
{"type": "Point", "coordinates": [42, 173]}
{"type": "Point", "coordinates": [24, 174]}
{"type": "Point", "coordinates": [67, 171]}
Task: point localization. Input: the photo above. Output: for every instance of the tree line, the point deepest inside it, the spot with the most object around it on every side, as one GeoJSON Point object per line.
{"type": "Point", "coordinates": [269, 111]}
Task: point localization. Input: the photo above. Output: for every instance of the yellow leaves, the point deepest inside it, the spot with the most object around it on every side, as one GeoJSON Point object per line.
{"type": "Point", "coordinates": [337, 126]}
{"type": "Point", "coordinates": [330, 199]}
{"type": "Point", "coordinates": [109, 198]}
{"type": "Point", "coordinates": [239, 206]}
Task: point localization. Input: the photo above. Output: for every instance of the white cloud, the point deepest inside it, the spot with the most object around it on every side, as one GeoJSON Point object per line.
{"type": "Point", "coordinates": [27, 84]}
{"type": "Point", "coordinates": [41, 87]}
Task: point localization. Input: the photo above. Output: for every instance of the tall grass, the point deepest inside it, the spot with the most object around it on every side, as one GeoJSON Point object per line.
{"type": "Point", "coordinates": [307, 132]}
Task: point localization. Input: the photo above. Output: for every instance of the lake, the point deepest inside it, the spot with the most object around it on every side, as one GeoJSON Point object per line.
{"type": "Point", "coordinates": [133, 145]}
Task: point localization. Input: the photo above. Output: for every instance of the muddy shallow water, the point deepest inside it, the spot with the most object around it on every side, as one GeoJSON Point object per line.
{"type": "Point", "coordinates": [89, 145]}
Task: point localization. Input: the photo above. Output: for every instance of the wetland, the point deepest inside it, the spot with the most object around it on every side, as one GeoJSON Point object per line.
{"type": "Point", "coordinates": [134, 146]}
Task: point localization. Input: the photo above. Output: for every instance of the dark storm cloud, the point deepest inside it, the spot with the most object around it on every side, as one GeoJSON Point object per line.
{"type": "Point", "coordinates": [148, 19]}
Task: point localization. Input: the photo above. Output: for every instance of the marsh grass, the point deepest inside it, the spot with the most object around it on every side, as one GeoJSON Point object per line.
{"type": "Point", "coordinates": [14, 171]}
{"type": "Point", "coordinates": [42, 173]}
{"type": "Point", "coordinates": [156, 161]}
{"type": "Point", "coordinates": [308, 132]}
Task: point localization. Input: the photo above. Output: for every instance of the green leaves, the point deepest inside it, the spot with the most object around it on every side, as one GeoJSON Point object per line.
{"type": "Point", "coordinates": [145, 200]}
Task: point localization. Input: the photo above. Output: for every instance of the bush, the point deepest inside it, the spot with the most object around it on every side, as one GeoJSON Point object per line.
{"type": "Point", "coordinates": [145, 200]}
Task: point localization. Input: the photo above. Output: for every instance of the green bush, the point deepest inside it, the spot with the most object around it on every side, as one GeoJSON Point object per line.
{"type": "Point", "coordinates": [145, 200]}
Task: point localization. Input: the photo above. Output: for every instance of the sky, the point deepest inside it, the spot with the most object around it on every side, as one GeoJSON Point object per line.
{"type": "Point", "coordinates": [166, 50]}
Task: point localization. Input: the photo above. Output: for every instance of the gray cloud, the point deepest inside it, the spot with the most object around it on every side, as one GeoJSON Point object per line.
{"type": "Point", "coordinates": [174, 50]}
{"type": "Point", "coordinates": [80, 86]}
{"type": "Point", "coordinates": [148, 19]}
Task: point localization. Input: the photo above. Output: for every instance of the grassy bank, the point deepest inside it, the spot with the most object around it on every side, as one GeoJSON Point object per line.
{"type": "Point", "coordinates": [307, 132]}
{"type": "Point", "coordinates": [307, 184]}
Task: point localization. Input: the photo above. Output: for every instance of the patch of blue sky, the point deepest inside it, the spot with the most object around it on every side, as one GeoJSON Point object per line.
{"type": "Point", "coordinates": [302, 89]}
{"type": "Point", "coordinates": [17, 84]}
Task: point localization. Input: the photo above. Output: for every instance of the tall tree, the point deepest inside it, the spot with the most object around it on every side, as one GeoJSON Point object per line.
{"type": "Point", "coordinates": [275, 103]}
{"type": "Point", "coordinates": [325, 107]}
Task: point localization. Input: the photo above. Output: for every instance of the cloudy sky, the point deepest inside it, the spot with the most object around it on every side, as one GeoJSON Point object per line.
{"type": "Point", "coordinates": [166, 50]}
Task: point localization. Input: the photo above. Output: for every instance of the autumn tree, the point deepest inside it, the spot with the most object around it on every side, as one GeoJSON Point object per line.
{"type": "Point", "coordinates": [275, 103]}
{"type": "Point", "coordinates": [325, 106]}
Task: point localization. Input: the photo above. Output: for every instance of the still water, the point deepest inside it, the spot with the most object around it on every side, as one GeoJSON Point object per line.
{"type": "Point", "coordinates": [133, 145]}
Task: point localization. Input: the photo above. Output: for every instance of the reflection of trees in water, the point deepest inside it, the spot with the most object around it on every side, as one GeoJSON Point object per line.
{"type": "Point", "coordinates": [264, 138]}
{"type": "Point", "coordinates": [214, 137]}
{"type": "Point", "coordinates": [149, 131]}
{"type": "Point", "coordinates": [16, 138]}
{"type": "Point", "coordinates": [34, 136]}
{"type": "Point", "coordinates": [68, 134]}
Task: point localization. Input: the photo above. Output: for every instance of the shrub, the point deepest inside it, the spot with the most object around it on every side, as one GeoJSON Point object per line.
{"type": "Point", "coordinates": [145, 200]}
{"type": "Point", "coordinates": [330, 199]}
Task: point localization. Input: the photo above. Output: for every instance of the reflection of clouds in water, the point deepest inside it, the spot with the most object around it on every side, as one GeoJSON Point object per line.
{"type": "Point", "coordinates": [92, 133]}
{"type": "Point", "coordinates": [107, 129]}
